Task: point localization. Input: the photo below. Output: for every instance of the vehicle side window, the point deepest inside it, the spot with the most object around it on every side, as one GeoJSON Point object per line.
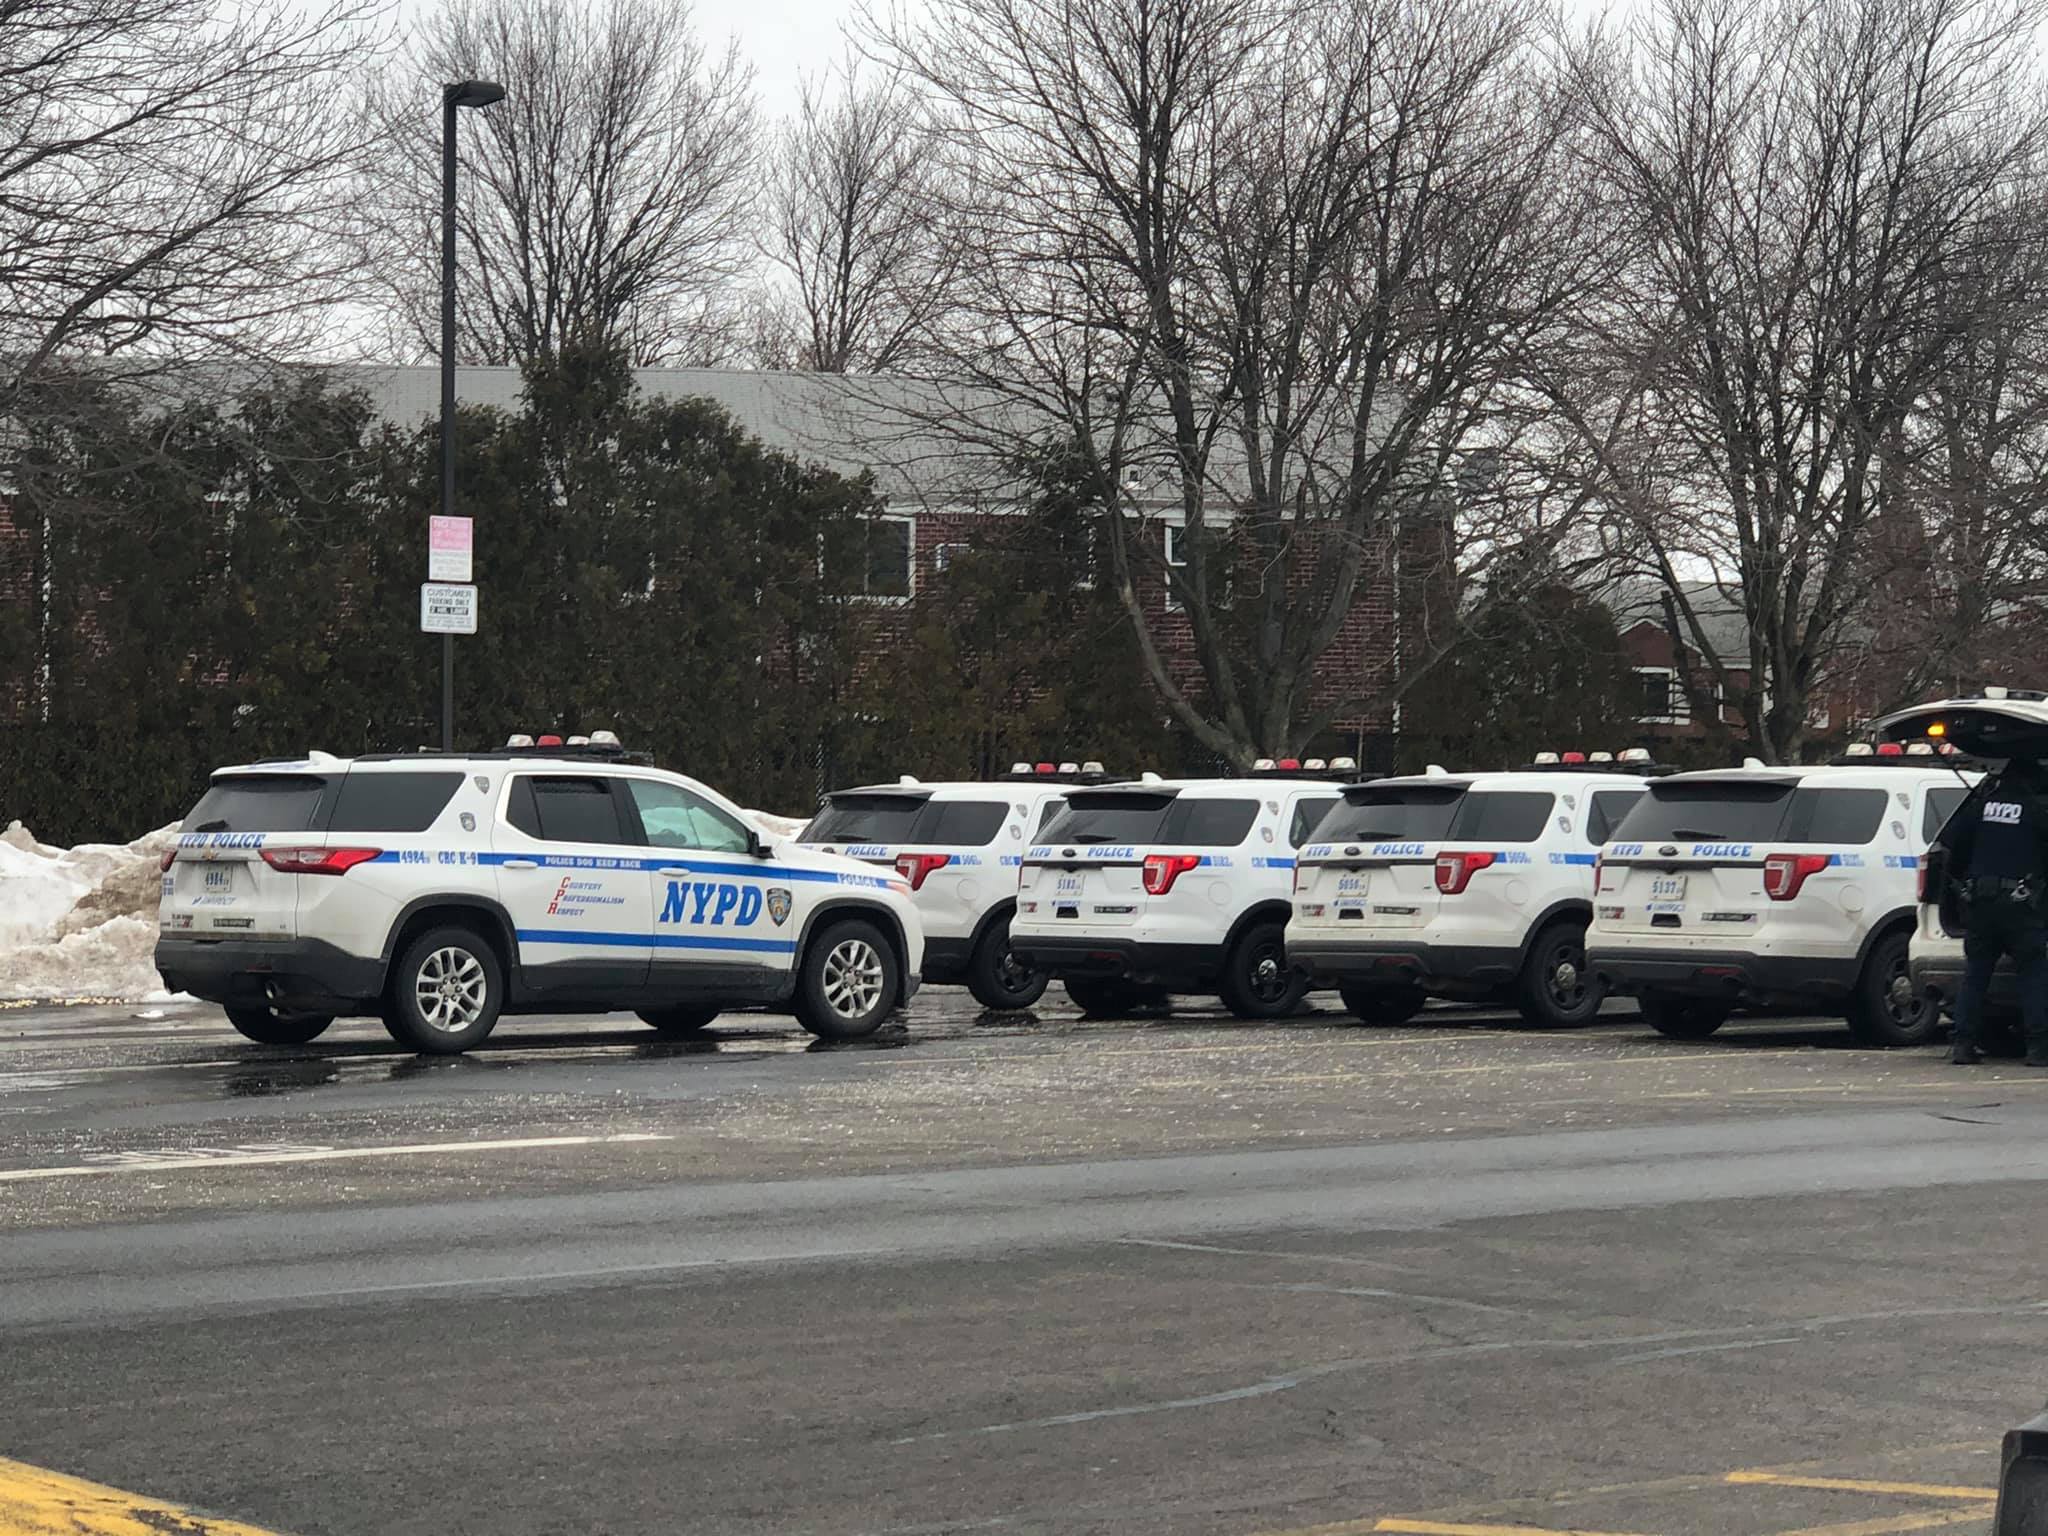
{"type": "Point", "coordinates": [1506, 816]}
{"type": "Point", "coordinates": [1209, 823]}
{"type": "Point", "coordinates": [1835, 815]}
{"type": "Point", "coordinates": [672, 817]}
{"type": "Point", "coordinates": [1309, 812]}
{"type": "Point", "coordinates": [1608, 807]}
{"type": "Point", "coordinates": [571, 810]}
{"type": "Point", "coordinates": [963, 823]}
{"type": "Point", "coordinates": [1050, 809]}
{"type": "Point", "coordinates": [1942, 803]}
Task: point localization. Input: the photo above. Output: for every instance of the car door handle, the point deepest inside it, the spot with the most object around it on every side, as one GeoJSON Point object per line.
{"type": "Point", "coordinates": [672, 872]}
{"type": "Point", "coordinates": [522, 864]}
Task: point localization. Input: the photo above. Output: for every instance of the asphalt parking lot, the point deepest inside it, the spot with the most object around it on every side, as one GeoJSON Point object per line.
{"type": "Point", "coordinates": [1175, 1274]}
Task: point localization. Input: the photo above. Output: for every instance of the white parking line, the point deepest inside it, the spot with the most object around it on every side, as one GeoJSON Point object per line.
{"type": "Point", "coordinates": [167, 1160]}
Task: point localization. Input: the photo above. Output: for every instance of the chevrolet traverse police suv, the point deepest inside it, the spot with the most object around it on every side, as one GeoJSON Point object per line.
{"type": "Point", "coordinates": [1468, 885]}
{"type": "Point", "coordinates": [959, 845]}
{"type": "Point", "coordinates": [439, 892]}
{"type": "Point", "coordinates": [1142, 889]}
{"type": "Point", "coordinates": [1775, 887]}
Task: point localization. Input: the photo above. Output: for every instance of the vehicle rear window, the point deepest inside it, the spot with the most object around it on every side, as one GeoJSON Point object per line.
{"type": "Point", "coordinates": [1730, 812]}
{"type": "Point", "coordinates": [962, 823]}
{"type": "Point", "coordinates": [1502, 816]}
{"type": "Point", "coordinates": [1209, 823]}
{"type": "Point", "coordinates": [1942, 803]}
{"type": "Point", "coordinates": [260, 802]}
{"type": "Point", "coordinates": [1407, 815]}
{"type": "Point", "coordinates": [866, 819]}
{"type": "Point", "coordinates": [576, 811]}
{"type": "Point", "coordinates": [1605, 814]}
{"type": "Point", "coordinates": [1721, 811]}
{"type": "Point", "coordinates": [1131, 817]}
{"type": "Point", "coordinates": [392, 802]}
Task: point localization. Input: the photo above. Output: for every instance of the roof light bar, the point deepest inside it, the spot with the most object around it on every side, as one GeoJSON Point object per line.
{"type": "Point", "coordinates": [519, 739]}
{"type": "Point", "coordinates": [1546, 759]}
{"type": "Point", "coordinates": [1860, 749]}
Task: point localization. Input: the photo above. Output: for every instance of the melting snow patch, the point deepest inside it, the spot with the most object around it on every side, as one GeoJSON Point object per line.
{"type": "Point", "coordinates": [80, 922]}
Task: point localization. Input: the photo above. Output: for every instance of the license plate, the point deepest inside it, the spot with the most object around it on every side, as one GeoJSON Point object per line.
{"type": "Point", "coordinates": [1668, 891]}
{"type": "Point", "coordinates": [1069, 885]}
{"type": "Point", "coordinates": [220, 877]}
{"type": "Point", "coordinates": [1351, 885]}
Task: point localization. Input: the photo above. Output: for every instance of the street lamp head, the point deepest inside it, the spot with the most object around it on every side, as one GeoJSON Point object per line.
{"type": "Point", "coordinates": [472, 93]}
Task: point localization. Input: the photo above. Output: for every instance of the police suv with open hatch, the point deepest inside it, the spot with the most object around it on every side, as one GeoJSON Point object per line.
{"type": "Point", "coordinates": [959, 845]}
{"type": "Point", "coordinates": [1769, 887]}
{"type": "Point", "coordinates": [438, 892]}
{"type": "Point", "coordinates": [1463, 885]}
{"type": "Point", "coordinates": [1146, 888]}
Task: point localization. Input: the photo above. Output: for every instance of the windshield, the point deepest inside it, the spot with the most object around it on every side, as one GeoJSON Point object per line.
{"type": "Point", "coordinates": [1407, 815]}
{"type": "Point", "coordinates": [1110, 818]}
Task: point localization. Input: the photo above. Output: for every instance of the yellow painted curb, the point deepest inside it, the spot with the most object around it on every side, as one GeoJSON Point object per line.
{"type": "Point", "coordinates": [35, 1502]}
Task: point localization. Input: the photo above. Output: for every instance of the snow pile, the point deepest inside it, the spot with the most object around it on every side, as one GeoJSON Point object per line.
{"type": "Point", "coordinates": [79, 922]}
{"type": "Point", "coordinates": [778, 826]}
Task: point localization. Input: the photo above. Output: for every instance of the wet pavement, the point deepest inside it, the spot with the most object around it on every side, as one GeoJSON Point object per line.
{"type": "Point", "coordinates": [1020, 1273]}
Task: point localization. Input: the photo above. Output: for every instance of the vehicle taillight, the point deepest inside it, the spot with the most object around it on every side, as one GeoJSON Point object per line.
{"type": "Point", "coordinates": [1454, 871]}
{"type": "Point", "coordinates": [318, 861]}
{"type": "Point", "coordinates": [1920, 883]}
{"type": "Point", "coordinates": [1785, 873]}
{"type": "Point", "coordinates": [170, 857]}
{"type": "Point", "coordinates": [915, 866]}
{"type": "Point", "coordinates": [1162, 869]}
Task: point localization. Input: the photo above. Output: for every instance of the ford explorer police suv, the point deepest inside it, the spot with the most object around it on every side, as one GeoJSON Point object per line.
{"type": "Point", "coordinates": [959, 845]}
{"type": "Point", "coordinates": [1142, 889]}
{"type": "Point", "coordinates": [1775, 887]}
{"type": "Point", "coordinates": [438, 892]}
{"type": "Point", "coordinates": [1470, 885]}
{"type": "Point", "coordinates": [1997, 724]}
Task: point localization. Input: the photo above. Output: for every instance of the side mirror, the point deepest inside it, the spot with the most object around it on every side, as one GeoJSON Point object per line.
{"type": "Point", "coordinates": [2023, 1481]}
{"type": "Point", "coordinates": [757, 845]}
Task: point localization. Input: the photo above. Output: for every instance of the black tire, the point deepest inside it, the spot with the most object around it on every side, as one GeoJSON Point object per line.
{"type": "Point", "coordinates": [678, 1023]}
{"type": "Point", "coordinates": [1111, 997]}
{"type": "Point", "coordinates": [1382, 1005]}
{"type": "Point", "coordinates": [445, 992]}
{"type": "Point", "coordinates": [1683, 1018]}
{"type": "Point", "coordinates": [271, 1026]}
{"type": "Point", "coordinates": [1555, 989]}
{"type": "Point", "coordinates": [997, 978]}
{"type": "Point", "coordinates": [848, 980]}
{"type": "Point", "coordinates": [1258, 983]}
{"type": "Point", "coordinates": [1884, 1010]}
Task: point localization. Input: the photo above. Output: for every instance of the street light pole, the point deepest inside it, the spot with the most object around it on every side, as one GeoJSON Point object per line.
{"type": "Point", "coordinates": [463, 93]}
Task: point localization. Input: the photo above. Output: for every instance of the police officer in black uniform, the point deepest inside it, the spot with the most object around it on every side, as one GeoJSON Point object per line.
{"type": "Point", "coordinates": [2000, 849]}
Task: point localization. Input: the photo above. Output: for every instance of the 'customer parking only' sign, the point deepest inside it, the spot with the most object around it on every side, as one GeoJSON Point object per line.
{"type": "Point", "coordinates": [447, 608]}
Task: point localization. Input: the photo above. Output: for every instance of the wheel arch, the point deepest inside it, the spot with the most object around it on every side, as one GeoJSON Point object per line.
{"type": "Point", "coordinates": [853, 906]}
{"type": "Point", "coordinates": [1002, 911]}
{"type": "Point", "coordinates": [478, 912]}
{"type": "Point", "coordinates": [1270, 910]}
{"type": "Point", "coordinates": [1574, 907]}
{"type": "Point", "coordinates": [1898, 920]}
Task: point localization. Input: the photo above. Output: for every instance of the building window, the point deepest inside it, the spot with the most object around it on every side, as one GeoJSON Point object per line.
{"type": "Point", "coordinates": [943, 555]}
{"type": "Point", "coordinates": [872, 557]}
{"type": "Point", "coordinates": [1660, 699]}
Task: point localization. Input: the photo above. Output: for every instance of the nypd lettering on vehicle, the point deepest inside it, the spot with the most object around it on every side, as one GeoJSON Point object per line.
{"type": "Point", "coordinates": [1045, 851]}
{"type": "Point", "coordinates": [689, 901]}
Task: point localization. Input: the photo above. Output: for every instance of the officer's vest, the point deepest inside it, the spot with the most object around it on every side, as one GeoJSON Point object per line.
{"type": "Point", "coordinates": [2008, 836]}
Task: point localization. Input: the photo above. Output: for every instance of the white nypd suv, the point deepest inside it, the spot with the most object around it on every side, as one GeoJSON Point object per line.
{"type": "Point", "coordinates": [440, 892]}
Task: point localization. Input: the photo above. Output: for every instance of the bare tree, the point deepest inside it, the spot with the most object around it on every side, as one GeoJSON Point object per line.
{"type": "Point", "coordinates": [607, 198]}
{"type": "Point", "coordinates": [852, 221]}
{"type": "Point", "coordinates": [1815, 201]}
{"type": "Point", "coordinates": [1275, 271]}
{"type": "Point", "coordinates": [172, 181]}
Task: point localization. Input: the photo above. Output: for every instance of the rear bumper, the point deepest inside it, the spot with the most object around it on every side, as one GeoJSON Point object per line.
{"type": "Point", "coordinates": [307, 975]}
{"type": "Point", "coordinates": [1941, 976]}
{"type": "Point", "coordinates": [1727, 975]}
{"type": "Point", "coordinates": [1448, 970]}
{"type": "Point", "coordinates": [1181, 965]}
